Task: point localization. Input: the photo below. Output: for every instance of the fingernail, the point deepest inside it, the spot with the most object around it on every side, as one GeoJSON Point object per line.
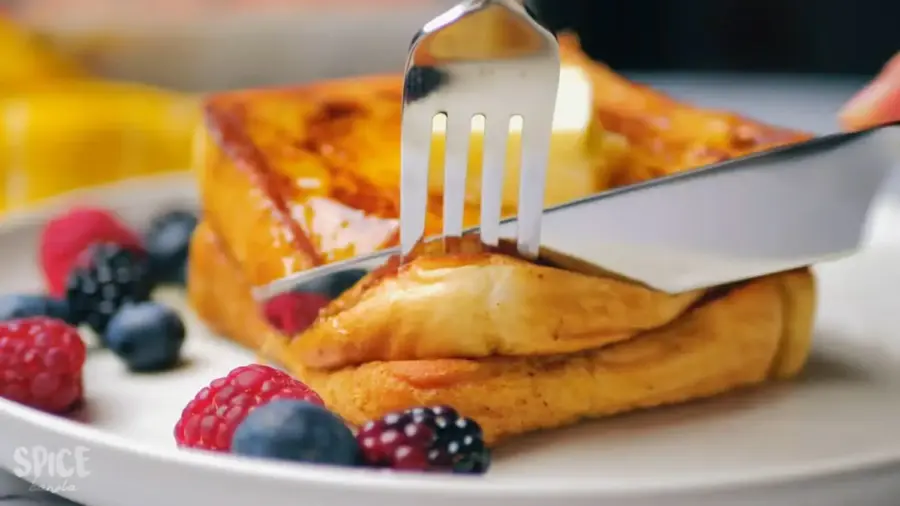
{"type": "Point", "coordinates": [866, 105]}
{"type": "Point", "coordinates": [867, 101]}
{"type": "Point", "coordinates": [870, 106]}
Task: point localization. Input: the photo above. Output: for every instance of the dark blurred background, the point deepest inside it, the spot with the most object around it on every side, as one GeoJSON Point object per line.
{"type": "Point", "coordinates": [216, 44]}
{"type": "Point", "coordinates": [796, 36]}
{"type": "Point", "coordinates": [792, 62]}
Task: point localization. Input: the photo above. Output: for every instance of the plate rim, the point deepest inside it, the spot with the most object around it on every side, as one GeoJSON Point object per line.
{"type": "Point", "coordinates": [367, 480]}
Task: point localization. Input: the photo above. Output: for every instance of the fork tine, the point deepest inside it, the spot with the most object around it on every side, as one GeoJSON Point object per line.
{"type": "Point", "coordinates": [415, 150]}
{"type": "Point", "coordinates": [496, 137]}
{"type": "Point", "coordinates": [536, 132]}
{"type": "Point", "coordinates": [456, 161]}
{"type": "Point", "coordinates": [519, 76]}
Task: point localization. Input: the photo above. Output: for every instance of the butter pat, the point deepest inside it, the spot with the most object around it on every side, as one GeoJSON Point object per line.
{"type": "Point", "coordinates": [570, 171]}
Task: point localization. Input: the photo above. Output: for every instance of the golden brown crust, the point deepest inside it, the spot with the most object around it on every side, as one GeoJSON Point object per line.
{"type": "Point", "coordinates": [721, 346]}
{"type": "Point", "coordinates": [724, 344]}
{"type": "Point", "coordinates": [665, 136]}
{"type": "Point", "coordinates": [798, 294]}
{"type": "Point", "coordinates": [295, 177]}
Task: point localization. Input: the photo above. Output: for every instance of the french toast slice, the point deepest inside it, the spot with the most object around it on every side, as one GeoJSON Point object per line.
{"type": "Point", "coordinates": [293, 178]}
{"type": "Point", "coordinates": [296, 177]}
{"type": "Point", "coordinates": [753, 332]}
{"type": "Point", "coordinates": [511, 307]}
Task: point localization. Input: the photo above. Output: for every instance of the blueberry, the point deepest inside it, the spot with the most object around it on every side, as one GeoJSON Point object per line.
{"type": "Point", "coordinates": [344, 280]}
{"type": "Point", "coordinates": [298, 431]}
{"type": "Point", "coordinates": [422, 81]}
{"type": "Point", "coordinates": [167, 242]}
{"type": "Point", "coordinates": [148, 336]}
{"type": "Point", "coordinates": [13, 307]}
{"type": "Point", "coordinates": [334, 285]}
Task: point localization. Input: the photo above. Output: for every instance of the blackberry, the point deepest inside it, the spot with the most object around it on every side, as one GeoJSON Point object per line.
{"type": "Point", "coordinates": [425, 439]}
{"type": "Point", "coordinates": [422, 80]}
{"type": "Point", "coordinates": [112, 277]}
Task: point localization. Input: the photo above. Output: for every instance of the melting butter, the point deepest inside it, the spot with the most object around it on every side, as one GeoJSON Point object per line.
{"type": "Point", "coordinates": [570, 173]}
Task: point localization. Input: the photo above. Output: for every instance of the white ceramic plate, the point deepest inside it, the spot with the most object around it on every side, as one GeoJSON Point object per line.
{"type": "Point", "coordinates": [829, 439]}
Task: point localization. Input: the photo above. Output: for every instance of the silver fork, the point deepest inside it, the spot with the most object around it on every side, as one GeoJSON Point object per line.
{"type": "Point", "coordinates": [455, 69]}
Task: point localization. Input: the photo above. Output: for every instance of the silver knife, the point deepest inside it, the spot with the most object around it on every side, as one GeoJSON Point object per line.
{"type": "Point", "coordinates": [764, 213]}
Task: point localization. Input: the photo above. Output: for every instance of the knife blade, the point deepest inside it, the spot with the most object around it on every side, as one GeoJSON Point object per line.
{"type": "Point", "coordinates": [768, 212]}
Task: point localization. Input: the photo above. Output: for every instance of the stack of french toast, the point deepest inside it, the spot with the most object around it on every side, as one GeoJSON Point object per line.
{"type": "Point", "coordinates": [295, 178]}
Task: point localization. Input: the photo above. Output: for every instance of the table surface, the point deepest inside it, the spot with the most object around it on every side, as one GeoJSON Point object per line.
{"type": "Point", "coordinates": [807, 103]}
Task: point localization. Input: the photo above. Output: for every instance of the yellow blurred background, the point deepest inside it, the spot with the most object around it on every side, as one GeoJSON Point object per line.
{"type": "Point", "coordinates": [63, 129]}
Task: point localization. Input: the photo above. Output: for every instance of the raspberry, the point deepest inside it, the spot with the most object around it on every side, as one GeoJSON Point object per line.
{"type": "Point", "coordinates": [208, 422]}
{"type": "Point", "coordinates": [425, 439]}
{"type": "Point", "coordinates": [40, 363]}
{"type": "Point", "coordinates": [293, 312]}
{"type": "Point", "coordinates": [67, 236]}
{"type": "Point", "coordinates": [112, 277]}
